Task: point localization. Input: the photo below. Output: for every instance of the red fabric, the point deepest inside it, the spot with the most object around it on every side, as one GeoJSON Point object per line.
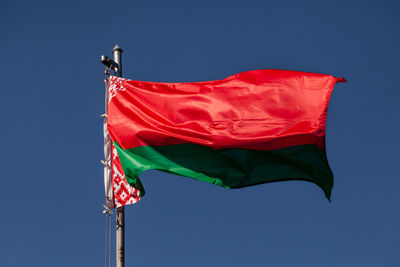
{"type": "Point", "coordinates": [260, 109]}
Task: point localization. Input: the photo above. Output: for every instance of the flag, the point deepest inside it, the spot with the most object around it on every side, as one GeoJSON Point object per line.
{"type": "Point", "coordinates": [250, 128]}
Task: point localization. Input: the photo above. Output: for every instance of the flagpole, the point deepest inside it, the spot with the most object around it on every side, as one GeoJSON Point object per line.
{"type": "Point", "coordinates": [120, 236]}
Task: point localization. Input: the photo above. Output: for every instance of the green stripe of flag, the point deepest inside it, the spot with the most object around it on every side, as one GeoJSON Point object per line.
{"type": "Point", "coordinates": [230, 168]}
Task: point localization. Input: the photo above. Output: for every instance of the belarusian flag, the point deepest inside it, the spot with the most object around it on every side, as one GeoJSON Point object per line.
{"type": "Point", "coordinates": [251, 128]}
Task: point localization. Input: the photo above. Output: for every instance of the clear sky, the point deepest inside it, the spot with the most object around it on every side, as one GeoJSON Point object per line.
{"type": "Point", "coordinates": [52, 89]}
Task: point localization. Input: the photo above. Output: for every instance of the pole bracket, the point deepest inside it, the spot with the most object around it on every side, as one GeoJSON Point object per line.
{"type": "Point", "coordinates": [109, 63]}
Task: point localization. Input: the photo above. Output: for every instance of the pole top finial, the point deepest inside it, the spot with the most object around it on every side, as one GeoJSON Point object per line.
{"type": "Point", "coordinates": [117, 48]}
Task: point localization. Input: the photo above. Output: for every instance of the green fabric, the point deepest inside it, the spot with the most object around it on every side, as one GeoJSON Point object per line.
{"type": "Point", "coordinates": [230, 168]}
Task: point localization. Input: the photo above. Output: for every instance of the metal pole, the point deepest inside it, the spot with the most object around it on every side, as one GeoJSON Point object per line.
{"type": "Point", "coordinates": [120, 237]}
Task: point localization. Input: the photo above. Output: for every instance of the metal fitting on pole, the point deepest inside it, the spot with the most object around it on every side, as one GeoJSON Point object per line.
{"type": "Point", "coordinates": [117, 52]}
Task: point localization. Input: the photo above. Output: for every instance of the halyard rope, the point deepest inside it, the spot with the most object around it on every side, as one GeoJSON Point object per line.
{"type": "Point", "coordinates": [107, 161]}
{"type": "Point", "coordinates": [107, 207]}
{"type": "Point", "coordinates": [106, 244]}
{"type": "Point", "coordinates": [108, 212]}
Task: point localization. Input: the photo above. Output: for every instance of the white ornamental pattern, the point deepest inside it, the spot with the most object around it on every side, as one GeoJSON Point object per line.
{"type": "Point", "coordinates": [116, 85]}
{"type": "Point", "coordinates": [124, 194]}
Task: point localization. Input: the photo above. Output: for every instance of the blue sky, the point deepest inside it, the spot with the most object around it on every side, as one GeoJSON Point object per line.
{"type": "Point", "coordinates": [53, 93]}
